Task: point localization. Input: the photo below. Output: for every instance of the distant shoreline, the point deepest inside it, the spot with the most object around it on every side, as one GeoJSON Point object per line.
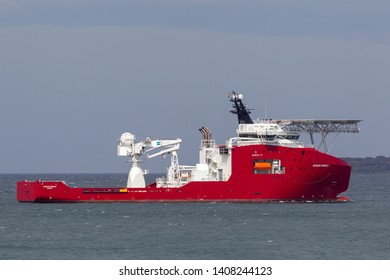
{"type": "Point", "coordinates": [377, 164]}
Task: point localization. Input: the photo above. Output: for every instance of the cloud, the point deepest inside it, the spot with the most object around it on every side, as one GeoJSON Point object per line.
{"type": "Point", "coordinates": [72, 91]}
{"type": "Point", "coordinates": [77, 71]}
{"type": "Point", "coordinates": [332, 18]}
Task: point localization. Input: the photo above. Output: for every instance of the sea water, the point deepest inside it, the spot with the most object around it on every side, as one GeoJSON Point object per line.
{"type": "Point", "coordinates": [359, 229]}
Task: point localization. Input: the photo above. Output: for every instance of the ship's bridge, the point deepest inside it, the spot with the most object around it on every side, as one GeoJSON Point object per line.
{"type": "Point", "coordinates": [267, 129]}
{"type": "Point", "coordinates": [322, 127]}
{"type": "Point", "coordinates": [287, 132]}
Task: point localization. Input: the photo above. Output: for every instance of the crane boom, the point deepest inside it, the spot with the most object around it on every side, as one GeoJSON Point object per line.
{"type": "Point", "coordinates": [127, 146]}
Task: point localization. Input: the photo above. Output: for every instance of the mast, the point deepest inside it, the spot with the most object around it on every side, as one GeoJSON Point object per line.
{"type": "Point", "coordinates": [288, 129]}
{"type": "Point", "coordinates": [240, 108]}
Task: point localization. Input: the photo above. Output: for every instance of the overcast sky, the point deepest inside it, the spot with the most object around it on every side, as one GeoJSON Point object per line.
{"type": "Point", "coordinates": [75, 75]}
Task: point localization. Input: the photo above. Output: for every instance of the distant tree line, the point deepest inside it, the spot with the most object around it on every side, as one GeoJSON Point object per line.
{"type": "Point", "coordinates": [369, 164]}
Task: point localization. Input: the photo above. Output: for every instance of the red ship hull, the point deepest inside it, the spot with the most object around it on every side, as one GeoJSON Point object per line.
{"type": "Point", "coordinates": [308, 175]}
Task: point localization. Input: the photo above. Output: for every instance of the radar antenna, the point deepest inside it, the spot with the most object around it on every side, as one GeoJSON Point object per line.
{"type": "Point", "coordinates": [240, 108]}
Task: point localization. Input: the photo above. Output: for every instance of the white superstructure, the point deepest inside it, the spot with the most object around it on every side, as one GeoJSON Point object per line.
{"type": "Point", "coordinates": [215, 160]}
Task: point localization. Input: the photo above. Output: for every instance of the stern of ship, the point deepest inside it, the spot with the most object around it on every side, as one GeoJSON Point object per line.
{"type": "Point", "coordinates": [27, 191]}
